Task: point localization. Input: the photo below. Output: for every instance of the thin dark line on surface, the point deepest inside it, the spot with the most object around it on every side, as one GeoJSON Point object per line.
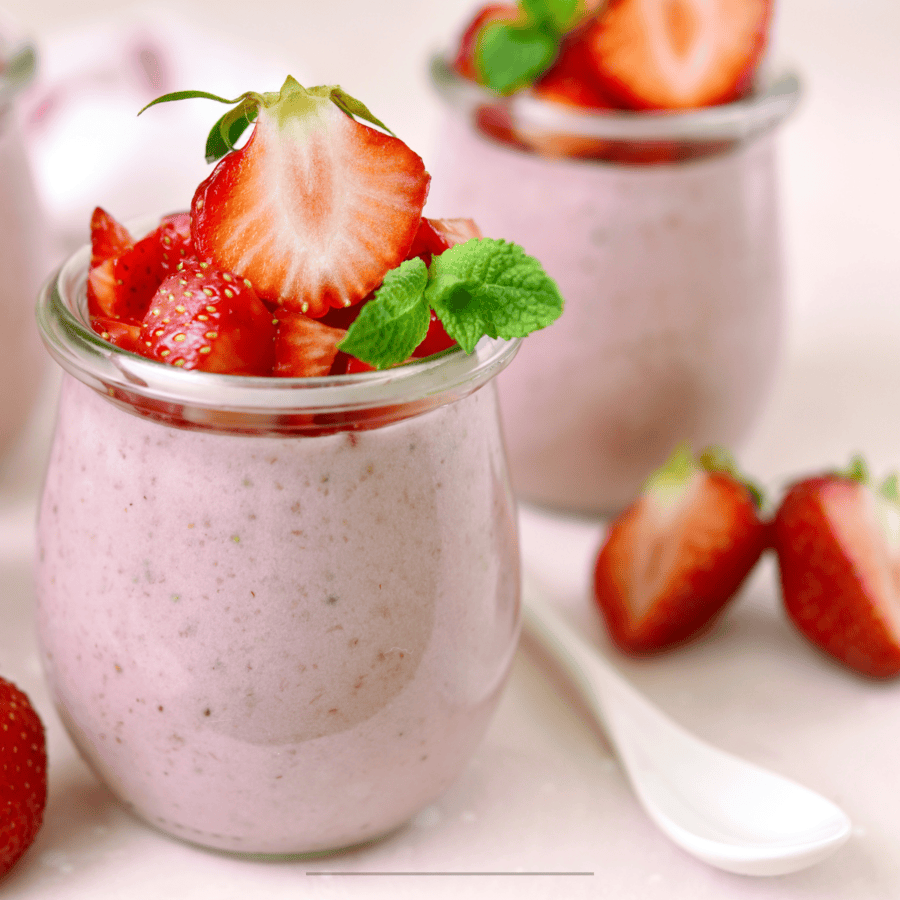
{"type": "Point", "coordinates": [483, 874]}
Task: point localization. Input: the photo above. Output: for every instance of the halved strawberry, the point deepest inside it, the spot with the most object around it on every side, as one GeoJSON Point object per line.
{"type": "Point", "coordinates": [205, 318]}
{"type": "Point", "coordinates": [672, 561]}
{"type": "Point", "coordinates": [678, 54]}
{"type": "Point", "coordinates": [23, 775]}
{"type": "Point", "coordinates": [316, 207]}
{"type": "Point", "coordinates": [304, 347]}
{"type": "Point", "coordinates": [837, 537]}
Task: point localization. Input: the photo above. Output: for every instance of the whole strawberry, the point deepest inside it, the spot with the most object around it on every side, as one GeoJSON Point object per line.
{"type": "Point", "coordinates": [23, 775]}
{"type": "Point", "coordinates": [837, 537]}
{"type": "Point", "coordinates": [677, 555]}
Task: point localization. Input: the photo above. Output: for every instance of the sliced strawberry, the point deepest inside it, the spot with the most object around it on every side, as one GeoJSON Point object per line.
{"type": "Point", "coordinates": [672, 561]}
{"type": "Point", "coordinates": [109, 238]}
{"type": "Point", "coordinates": [571, 80]}
{"type": "Point", "coordinates": [23, 775]}
{"type": "Point", "coordinates": [435, 340]}
{"type": "Point", "coordinates": [174, 238]}
{"type": "Point", "coordinates": [434, 236]}
{"type": "Point", "coordinates": [304, 347]}
{"type": "Point", "coordinates": [209, 319]}
{"type": "Point", "coordinates": [315, 208]}
{"type": "Point", "coordinates": [122, 333]}
{"type": "Point", "coordinates": [678, 54]}
{"type": "Point", "coordinates": [464, 62]}
{"type": "Point", "coordinates": [838, 543]}
{"type": "Point", "coordinates": [121, 287]}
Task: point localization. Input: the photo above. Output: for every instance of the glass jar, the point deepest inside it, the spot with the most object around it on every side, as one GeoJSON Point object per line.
{"type": "Point", "coordinates": [22, 246]}
{"type": "Point", "coordinates": [662, 231]}
{"type": "Point", "coordinates": [275, 614]}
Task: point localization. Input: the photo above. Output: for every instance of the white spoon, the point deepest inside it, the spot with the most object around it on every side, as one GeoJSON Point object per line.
{"type": "Point", "coordinates": [726, 811]}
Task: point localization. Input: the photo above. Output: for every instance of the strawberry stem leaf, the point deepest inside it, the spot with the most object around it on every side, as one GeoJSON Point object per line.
{"type": "Point", "coordinates": [718, 459]}
{"type": "Point", "coordinates": [355, 108]}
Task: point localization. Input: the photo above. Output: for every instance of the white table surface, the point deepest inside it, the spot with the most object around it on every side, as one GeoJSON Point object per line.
{"type": "Point", "coordinates": [543, 809]}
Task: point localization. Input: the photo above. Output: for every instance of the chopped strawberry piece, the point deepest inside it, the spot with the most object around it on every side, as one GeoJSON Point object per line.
{"type": "Point", "coordinates": [109, 238]}
{"type": "Point", "coordinates": [209, 319]}
{"type": "Point", "coordinates": [571, 80]}
{"type": "Point", "coordinates": [672, 561]}
{"type": "Point", "coordinates": [434, 236]}
{"type": "Point", "coordinates": [121, 287]}
{"type": "Point", "coordinates": [23, 775]}
{"type": "Point", "coordinates": [117, 331]}
{"type": "Point", "coordinates": [436, 340]}
{"type": "Point", "coordinates": [838, 543]}
{"type": "Point", "coordinates": [465, 63]}
{"type": "Point", "coordinates": [174, 238]}
{"type": "Point", "coordinates": [304, 347]}
{"type": "Point", "coordinates": [315, 208]}
{"type": "Point", "coordinates": [678, 54]}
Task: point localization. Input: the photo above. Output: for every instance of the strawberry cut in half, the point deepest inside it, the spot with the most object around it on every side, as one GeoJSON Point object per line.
{"type": "Point", "coordinates": [678, 54]}
{"type": "Point", "coordinates": [23, 775]}
{"type": "Point", "coordinates": [207, 319]}
{"type": "Point", "coordinates": [672, 560]}
{"type": "Point", "coordinates": [316, 207]}
{"type": "Point", "coordinates": [837, 537]}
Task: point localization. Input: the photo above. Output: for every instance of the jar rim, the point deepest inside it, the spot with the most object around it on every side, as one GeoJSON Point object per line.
{"type": "Point", "coordinates": [775, 97]}
{"type": "Point", "coordinates": [240, 402]}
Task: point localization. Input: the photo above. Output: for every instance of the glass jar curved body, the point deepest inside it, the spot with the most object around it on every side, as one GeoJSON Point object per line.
{"type": "Point", "coordinates": [664, 237]}
{"type": "Point", "coordinates": [21, 250]}
{"type": "Point", "coordinates": [275, 615]}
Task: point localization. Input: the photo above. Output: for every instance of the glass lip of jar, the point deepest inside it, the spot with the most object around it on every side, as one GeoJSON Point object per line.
{"type": "Point", "coordinates": [61, 313]}
{"type": "Point", "coordinates": [775, 97]}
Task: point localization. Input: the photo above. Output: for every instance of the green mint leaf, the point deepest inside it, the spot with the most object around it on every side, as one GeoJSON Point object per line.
{"type": "Point", "coordinates": [395, 321]}
{"type": "Point", "coordinates": [490, 287]}
{"type": "Point", "coordinates": [511, 56]}
{"type": "Point", "coordinates": [559, 16]}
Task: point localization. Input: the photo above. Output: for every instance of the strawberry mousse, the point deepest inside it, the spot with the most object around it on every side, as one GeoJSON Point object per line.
{"type": "Point", "coordinates": [278, 573]}
{"type": "Point", "coordinates": [650, 194]}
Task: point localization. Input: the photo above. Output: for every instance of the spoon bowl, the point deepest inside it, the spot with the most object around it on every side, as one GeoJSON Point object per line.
{"type": "Point", "coordinates": [726, 811]}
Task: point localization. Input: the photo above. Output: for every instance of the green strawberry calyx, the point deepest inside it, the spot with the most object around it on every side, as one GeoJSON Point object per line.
{"type": "Point", "coordinates": [293, 101]}
{"type": "Point", "coordinates": [669, 482]}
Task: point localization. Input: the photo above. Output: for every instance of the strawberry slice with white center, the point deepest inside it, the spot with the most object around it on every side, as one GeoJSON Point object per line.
{"type": "Point", "coordinates": [678, 54]}
{"type": "Point", "coordinates": [672, 561]}
{"type": "Point", "coordinates": [204, 318]}
{"type": "Point", "coordinates": [316, 207]}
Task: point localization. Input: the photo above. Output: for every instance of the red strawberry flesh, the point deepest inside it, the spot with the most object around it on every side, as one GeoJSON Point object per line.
{"type": "Point", "coordinates": [314, 209]}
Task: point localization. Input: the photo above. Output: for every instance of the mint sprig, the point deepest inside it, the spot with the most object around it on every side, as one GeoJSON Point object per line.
{"type": "Point", "coordinates": [512, 55]}
{"type": "Point", "coordinates": [481, 287]}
